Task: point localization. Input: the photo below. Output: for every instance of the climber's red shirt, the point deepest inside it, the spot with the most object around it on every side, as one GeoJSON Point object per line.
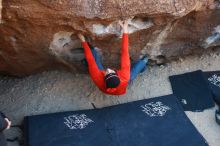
{"type": "Point", "coordinates": [98, 75]}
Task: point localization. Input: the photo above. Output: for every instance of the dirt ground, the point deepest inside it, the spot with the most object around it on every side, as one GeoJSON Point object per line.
{"type": "Point", "coordinates": [57, 91]}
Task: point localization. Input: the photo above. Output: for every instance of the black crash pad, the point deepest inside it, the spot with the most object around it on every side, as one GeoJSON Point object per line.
{"type": "Point", "coordinates": [192, 90]}
{"type": "Point", "coordinates": [213, 78]}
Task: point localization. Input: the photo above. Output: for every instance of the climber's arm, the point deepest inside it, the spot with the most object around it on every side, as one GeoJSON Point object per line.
{"type": "Point", "coordinates": [125, 58]}
{"type": "Point", "coordinates": [94, 71]}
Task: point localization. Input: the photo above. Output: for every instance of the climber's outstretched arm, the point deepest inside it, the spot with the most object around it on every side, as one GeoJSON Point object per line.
{"type": "Point", "coordinates": [93, 68]}
{"type": "Point", "coordinates": [125, 58]}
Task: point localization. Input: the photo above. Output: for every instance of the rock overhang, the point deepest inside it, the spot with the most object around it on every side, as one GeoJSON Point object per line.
{"type": "Point", "coordinates": [41, 35]}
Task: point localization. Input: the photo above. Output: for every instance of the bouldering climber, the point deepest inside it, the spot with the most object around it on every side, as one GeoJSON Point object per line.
{"type": "Point", "coordinates": [4, 124]}
{"type": "Point", "coordinates": [110, 81]}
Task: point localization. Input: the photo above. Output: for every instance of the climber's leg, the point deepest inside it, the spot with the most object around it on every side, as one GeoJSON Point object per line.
{"type": "Point", "coordinates": [97, 58]}
{"type": "Point", "coordinates": [138, 67]}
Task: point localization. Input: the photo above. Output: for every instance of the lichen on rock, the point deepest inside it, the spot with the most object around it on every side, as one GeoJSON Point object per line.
{"type": "Point", "coordinates": [215, 37]}
{"type": "Point", "coordinates": [134, 24]}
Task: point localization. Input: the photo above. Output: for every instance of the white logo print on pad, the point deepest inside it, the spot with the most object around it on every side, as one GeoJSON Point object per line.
{"type": "Point", "coordinates": [77, 121]}
{"type": "Point", "coordinates": [215, 80]}
{"type": "Point", "coordinates": [154, 109]}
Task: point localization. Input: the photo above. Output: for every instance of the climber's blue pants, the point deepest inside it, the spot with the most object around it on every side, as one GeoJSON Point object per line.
{"type": "Point", "coordinates": [136, 67]}
{"type": "Point", "coordinates": [97, 58]}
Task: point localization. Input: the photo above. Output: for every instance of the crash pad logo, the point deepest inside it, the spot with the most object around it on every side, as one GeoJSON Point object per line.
{"type": "Point", "coordinates": [154, 109]}
{"type": "Point", "coordinates": [77, 121]}
{"type": "Point", "coordinates": [215, 79]}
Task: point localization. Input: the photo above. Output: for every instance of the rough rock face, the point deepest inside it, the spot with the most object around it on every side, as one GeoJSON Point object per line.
{"type": "Point", "coordinates": [37, 35]}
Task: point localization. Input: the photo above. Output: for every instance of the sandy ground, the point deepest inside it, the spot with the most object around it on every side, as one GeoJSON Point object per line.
{"type": "Point", "coordinates": [57, 91]}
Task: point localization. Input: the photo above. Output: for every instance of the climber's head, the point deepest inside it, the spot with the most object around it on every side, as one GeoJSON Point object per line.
{"type": "Point", "coordinates": [111, 79]}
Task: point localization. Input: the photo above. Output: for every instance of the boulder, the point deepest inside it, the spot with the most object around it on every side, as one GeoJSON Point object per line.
{"type": "Point", "coordinates": [39, 35]}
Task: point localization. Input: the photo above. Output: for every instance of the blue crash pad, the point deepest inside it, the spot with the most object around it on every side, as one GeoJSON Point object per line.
{"type": "Point", "coordinates": [157, 121]}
